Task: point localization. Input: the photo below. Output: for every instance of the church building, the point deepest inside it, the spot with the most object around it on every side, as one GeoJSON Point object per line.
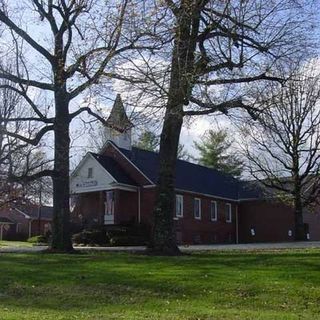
{"type": "Point", "coordinates": [117, 186]}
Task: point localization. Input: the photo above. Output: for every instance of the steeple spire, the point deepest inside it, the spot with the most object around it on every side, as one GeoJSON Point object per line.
{"type": "Point", "coordinates": [118, 119]}
{"type": "Point", "coordinates": [118, 125]}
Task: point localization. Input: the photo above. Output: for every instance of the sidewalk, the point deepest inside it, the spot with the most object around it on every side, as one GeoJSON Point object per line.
{"type": "Point", "coordinates": [198, 248]}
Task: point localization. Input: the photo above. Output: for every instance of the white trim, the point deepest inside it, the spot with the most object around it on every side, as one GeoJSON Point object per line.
{"type": "Point", "coordinates": [258, 199]}
{"type": "Point", "coordinates": [179, 196]}
{"type": "Point", "coordinates": [128, 160]}
{"type": "Point", "coordinates": [149, 186]}
{"type": "Point", "coordinates": [123, 186]}
{"type": "Point", "coordinates": [25, 215]}
{"type": "Point", "coordinates": [82, 162]}
{"type": "Point", "coordinates": [237, 225]}
{"type": "Point", "coordinates": [212, 195]}
{"type": "Point", "coordinates": [205, 195]}
{"type": "Point", "coordinates": [139, 205]}
{"type": "Point", "coordinates": [108, 217]}
{"type": "Point", "coordinates": [79, 164]}
{"type": "Point", "coordinates": [194, 200]}
{"type": "Point", "coordinates": [114, 186]}
{"type": "Point", "coordinates": [228, 205]}
{"type": "Point", "coordinates": [215, 210]}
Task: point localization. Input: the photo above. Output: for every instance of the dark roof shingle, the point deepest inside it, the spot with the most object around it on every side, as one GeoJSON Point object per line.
{"type": "Point", "coordinates": [189, 176]}
{"type": "Point", "coordinates": [114, 169]}
{"type": "Point", "coordinates": [6, 220]}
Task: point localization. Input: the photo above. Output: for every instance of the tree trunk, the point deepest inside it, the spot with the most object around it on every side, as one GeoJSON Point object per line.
{"type": "Point", "coordinates": [181, 84]}
{"type": "Point", "coordinates": [163, 235]}
{"type": "Point", "coordinates": [298, 219]}
{"type": "Point", "coordinates": [61, 238]}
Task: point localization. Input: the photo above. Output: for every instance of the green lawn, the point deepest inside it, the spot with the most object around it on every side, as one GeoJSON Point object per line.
{"type": "Point", "coordinates": [230, 285]}
{"type": "Point", "coordinates": [15, 244]}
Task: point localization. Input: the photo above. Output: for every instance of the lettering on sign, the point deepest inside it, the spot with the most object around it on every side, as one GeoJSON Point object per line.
{"type": "Point", "coordinates": [87, 184]}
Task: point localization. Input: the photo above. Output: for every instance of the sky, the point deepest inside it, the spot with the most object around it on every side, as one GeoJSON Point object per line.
{"type": "Point", "coordinates": [191, 131]}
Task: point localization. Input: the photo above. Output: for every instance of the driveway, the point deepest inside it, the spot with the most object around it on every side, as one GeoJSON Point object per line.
{"type": "Point", "coordinates": [198, 248]}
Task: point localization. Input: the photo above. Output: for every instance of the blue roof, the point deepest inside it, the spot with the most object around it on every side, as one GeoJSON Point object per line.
{"type": "Point", "coordinates": [189, 176]}
{"type": "Point", "coordinates": [114, 169]}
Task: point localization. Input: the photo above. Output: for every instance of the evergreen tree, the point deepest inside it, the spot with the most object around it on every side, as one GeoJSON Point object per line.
{"type": "Point", "coordinates": [215, 152]}
{"type": "Point", "coordinates": [149, 141]}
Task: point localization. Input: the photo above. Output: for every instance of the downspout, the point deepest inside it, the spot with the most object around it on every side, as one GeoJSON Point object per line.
{"type": "Point", "coordinates": [139, 205]}
{"type": "Point", "coordinates": [237, 225]}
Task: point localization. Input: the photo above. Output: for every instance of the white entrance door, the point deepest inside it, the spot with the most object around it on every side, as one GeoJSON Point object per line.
{"type": "Point", "coordinates": [109, 208]}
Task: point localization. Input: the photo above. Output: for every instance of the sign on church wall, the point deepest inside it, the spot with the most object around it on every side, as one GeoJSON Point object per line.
{"type": "Point", "coordinates": [90, 176]}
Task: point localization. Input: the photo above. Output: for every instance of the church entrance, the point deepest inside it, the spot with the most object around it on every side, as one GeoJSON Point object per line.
{"type": "Point", "coordinates": [109, 208]}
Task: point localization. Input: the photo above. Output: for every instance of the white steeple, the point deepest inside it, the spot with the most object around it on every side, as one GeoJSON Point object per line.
{"type": "Point", "coordinates": [118, 125]}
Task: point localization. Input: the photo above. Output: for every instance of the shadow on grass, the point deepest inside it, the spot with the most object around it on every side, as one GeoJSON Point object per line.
{"type": "Point", "coordinates": [46, 281]}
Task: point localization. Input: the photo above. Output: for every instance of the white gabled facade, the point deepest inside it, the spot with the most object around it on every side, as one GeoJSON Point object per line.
{"type": "Point", "coordinates": [90, 176]}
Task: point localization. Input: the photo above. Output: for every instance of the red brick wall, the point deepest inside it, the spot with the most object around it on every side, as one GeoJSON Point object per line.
{"type": "Point", "coordinates": [190, 230]}
{"type": "Point", "coordinates": [43, 227]}
{"type": "Point", "coordinates": [313, 220]}
{"type": "Point", "coordinates": [90, 206]}
{"type": "Point", "coordinates": [23, 224]}
{"type": "Point", "coordinates": [148, 197]}
{"type": "Point", "coordinates": [271, 221]}
{"type": "Point", "coordinates": [89, 209]}
{"type": "Point", "coordinates": [126, 207]}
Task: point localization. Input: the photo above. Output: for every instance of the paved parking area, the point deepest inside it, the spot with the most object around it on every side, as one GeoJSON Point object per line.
{"type": "Point", "coordinates": [254, 246]}
{"type": "Point", "coordinates": [218, 247]}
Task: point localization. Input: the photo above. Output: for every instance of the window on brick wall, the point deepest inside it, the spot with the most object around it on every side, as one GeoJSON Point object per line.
{"type": "Point", "coordinates": [228, 212]}
{"type": "Point", "coordinates": [197, 208]}
{"type": "Point", "coordinates": [213, 210]}
{"type": "Point", "coordinates": [179, 205]}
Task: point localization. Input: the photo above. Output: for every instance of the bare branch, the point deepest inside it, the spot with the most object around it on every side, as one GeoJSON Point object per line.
{"type": "Point", "coordinates": [5, 19]}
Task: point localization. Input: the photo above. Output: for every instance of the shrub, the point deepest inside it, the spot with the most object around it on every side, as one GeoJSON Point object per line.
{"type": "Point", "coordinates": [38, 239]}
{"type": "Point", "coordinates": [90, 237]}
{"type": "Point", "coordinates": [116, 232]}
{"type": "Point", "coordinates": [127, 240]}
{"type": "Point", "coordinates": [17, 237]}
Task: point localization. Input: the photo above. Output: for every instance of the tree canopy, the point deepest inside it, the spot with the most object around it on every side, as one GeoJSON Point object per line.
{"type": "Point", "coordinates": [283, 145]}
{"type": "Point", "coordinates": [216, 152]}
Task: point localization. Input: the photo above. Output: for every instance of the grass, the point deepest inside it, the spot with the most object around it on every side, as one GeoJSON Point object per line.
{"type": "Point", "coordinates": [230, 285]}
{"type": "Point", "coordinates": [14, 244]}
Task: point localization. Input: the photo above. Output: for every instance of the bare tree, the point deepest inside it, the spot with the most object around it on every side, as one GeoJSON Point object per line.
{"type": "Point", "coordinates": [17, 159]}
{"type": "Point", "coordinates": [8, 146]}
{"type": "Point", "coordinates": [65, 49]}
{"type": "Point", "coordinates": [219, 48]}
{"type": "Point", "coordinates": [283, 145]}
